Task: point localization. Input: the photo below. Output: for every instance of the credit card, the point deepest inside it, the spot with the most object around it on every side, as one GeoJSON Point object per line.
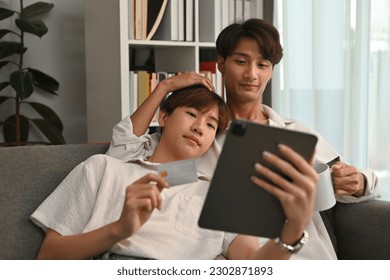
{"type": "Point", "coordinates": [333, 161]}
{"type": "Point", "coordinates": [178, 172]}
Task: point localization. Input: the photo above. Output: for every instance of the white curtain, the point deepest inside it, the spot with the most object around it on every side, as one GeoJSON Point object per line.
{"type": "Point", "coordinates": [335, 76]}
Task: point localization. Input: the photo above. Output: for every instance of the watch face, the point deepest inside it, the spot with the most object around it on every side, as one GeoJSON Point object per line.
{"type": "Point", "coordinates": [293, 249]}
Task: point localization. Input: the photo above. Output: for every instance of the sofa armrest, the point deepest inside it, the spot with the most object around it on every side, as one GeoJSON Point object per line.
{"type": "Point", "coordinates": [28, 174]}
{"type": "Point", "coordinates": [362, 230]}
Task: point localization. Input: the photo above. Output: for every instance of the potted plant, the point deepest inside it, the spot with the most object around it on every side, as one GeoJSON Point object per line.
{"type": "Point", "coordinates": [24, 81]}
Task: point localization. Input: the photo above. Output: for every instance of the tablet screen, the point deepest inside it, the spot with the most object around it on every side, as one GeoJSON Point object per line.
{"type": "Point", "coordinates": [234, 203]}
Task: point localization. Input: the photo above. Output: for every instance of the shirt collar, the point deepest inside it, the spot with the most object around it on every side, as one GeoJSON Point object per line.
{"type": "Point", "coordinates": [152, 166]}
{"type": "Point", "coordinates": [274, 119]}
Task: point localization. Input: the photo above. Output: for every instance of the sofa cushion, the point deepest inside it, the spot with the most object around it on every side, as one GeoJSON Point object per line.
{"type": "Point", "coordinates": [28, 175]}
{"type": "Point", "coordinates": [362, 230]}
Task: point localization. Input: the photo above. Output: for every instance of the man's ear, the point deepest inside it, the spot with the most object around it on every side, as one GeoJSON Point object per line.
{"type": "Point", "coordinates": [221, 64]}
{"type": "Point", "coordinates": [161, 118]}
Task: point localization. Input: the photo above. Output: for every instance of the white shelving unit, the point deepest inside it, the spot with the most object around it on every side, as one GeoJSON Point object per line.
{"type": "Point", "coordinates": [108, 59]}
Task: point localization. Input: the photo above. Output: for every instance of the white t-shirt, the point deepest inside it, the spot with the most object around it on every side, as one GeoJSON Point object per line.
{"type": "Point", "coordinates": [92, 196]}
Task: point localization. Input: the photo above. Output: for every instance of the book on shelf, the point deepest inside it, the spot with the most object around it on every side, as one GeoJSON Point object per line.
{"type": "Point", "coordinates": [189, 20]}
{"type": "Point", "coordinates": [156, 10]}
{"type": "Point", "coordinates": [143, 86]}
{"type": "Point", "coordinates": [153, 84]}
{"type": "Point", "coordinates": [255, 8]}
{"type": "Point", "coordinates": [180, 18]}
{"type": "Point", "coordinates": [168, 29]}
{"type": "Point", "coordinates": [131, 14]}
{"type": "Point", "coordinates": [144, 18]}
{"type": "Point", "coordinates": [209, 20]}
{"type": "Point", "coordinates": [208, 66]}
{"type": "Point", "coordinates": [133, 82]}
{"type": "Point", "coordinates": [210, 70]}
{"type": "Point", "coordinates": [138, 19]}
{"type": "Point", "coordinates": [239, 10]}
{"type": "Point", "coordinates": [225, 20]}
{"type": "Point", "coordinates": [220, 85]}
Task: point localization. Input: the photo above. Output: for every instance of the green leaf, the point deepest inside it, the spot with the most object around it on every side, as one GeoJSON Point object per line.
{"type": "Point", "coordinates": [22, 83]}
{"type": "Point", "coordinates": [36, 9]}
{"type": "Point", "coordinates": [44, 81]}
{"type": "Point", "coordinates": [9, 129]}
{"type": "Point", "coordinates": [4, 32]}
{"type": "Point", "coordinates": [48, 114]}
{"type": "Point", "coordinates": [4, 98]}
{"type": "Point", "coordinates": [4, 63]}
{"type": "Point", "coordinates": [50, 131]}
{"type": "Point", "coordinates": [33, 26]}
{"type": "Point", "coordinates": [3, 85]}
{"type": "Point", "coordinates": [8, 48]}
{"type": "Point", "coordinates": [6, 13]}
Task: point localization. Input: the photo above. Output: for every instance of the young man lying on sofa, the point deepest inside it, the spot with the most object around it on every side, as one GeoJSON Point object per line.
{"type": "Point", "coordinates": [108, 208]}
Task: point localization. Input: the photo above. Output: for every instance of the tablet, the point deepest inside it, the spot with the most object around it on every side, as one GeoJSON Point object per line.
{"type": "Point", "coordinates": [233, 202]}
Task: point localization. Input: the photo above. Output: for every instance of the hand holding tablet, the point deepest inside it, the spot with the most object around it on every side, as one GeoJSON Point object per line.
{"type": "Point", "coordinates": [234, 203]}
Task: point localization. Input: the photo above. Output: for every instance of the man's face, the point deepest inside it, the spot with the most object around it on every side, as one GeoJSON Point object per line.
{"type": "Point", "coordinates": [246, 72]}
{"type": "Point", "coordinates": [188, 132]}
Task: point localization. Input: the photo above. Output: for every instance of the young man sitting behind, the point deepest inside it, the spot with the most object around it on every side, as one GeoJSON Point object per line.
{"type": "Point", "coordinates": [108, 207]}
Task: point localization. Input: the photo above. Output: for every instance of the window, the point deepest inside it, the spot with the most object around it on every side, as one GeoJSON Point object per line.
{"type": "Point", "coordinates": [334, 76]}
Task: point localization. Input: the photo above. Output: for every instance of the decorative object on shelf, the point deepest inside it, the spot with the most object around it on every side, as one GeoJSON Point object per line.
{"type": "Point", "coordinates": [145, 17]}
{"type": "Point", "coordinates": [155, 15]}
{"type": "Point", "coordinates": [24, 81]}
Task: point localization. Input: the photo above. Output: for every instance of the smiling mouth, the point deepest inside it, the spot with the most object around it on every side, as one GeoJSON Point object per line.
{"type": "Point", "coordinates": [249, 85]}
{"type": "Point", "coordinates": [193, 139]}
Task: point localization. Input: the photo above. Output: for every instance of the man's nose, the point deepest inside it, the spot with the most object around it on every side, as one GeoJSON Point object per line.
{"type": "Point", "coordinates": [251, 71]}
{"type": "Point", "coordinates": [197, 127]}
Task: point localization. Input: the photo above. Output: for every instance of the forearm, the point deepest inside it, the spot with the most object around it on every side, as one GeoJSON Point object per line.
{"type": "Point", "coordinates": [79, 246]}
{"type": "Point", "coordinates": [142, 117]}
{"type": "Point", "coordinates": [247, 247]}
{"type": "Point", "coordinates": [270, 251]}
{"type": "Point", "coordinates": [290, 234]}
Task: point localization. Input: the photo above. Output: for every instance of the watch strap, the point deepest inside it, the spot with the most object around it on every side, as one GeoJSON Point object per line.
{"type": "Point", "coordinates": [294, 248]}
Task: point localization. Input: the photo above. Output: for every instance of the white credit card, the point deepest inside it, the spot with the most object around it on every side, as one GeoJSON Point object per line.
{"type": "Point", "coordinates": [178, 172]}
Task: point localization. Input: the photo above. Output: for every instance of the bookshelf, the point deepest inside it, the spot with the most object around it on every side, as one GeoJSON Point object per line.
{"type": "Point", "coordinates": [108, 55]}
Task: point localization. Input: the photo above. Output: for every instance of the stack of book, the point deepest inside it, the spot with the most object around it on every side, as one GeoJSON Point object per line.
{"type": "Point", "coordinates": [214, 15]}
{"type": "Point", "coordinates": [168, 20]}
{"type": "Point", "coordinates": [142, 83]}
{"type": "Point", "coordinates": [209, 70]}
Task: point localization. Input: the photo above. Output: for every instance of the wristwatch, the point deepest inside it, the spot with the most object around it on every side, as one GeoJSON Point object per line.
{"type": "Point", "coordinates": [294, 248]}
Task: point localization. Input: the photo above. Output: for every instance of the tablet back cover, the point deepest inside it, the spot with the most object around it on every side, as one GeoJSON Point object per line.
{"type": "Point", "coordinates": [233, 202]}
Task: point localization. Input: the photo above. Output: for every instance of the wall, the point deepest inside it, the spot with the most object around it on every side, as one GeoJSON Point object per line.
{"type": "Point", "coordinates": [61, 54]}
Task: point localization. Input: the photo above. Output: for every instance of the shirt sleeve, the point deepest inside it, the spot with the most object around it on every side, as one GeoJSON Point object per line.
{"type": "Point", "coordinates": [125, 145]}
{"type": "Point", "coordinates": [372, 189]}
{"type": "Point", "coordinates": [326, 153]}
{"type": "Point", "coordinates": [228, 238]}
{"type": "Point", "coordinates": [68, 209]}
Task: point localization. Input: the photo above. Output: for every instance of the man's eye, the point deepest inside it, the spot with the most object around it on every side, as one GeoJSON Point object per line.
{"type": "Point", "coordinates": [240, 61]}
{"type": "Point", "coordinates": [191, 114]}
{"type": "Point", "coordinates": [211, 125]}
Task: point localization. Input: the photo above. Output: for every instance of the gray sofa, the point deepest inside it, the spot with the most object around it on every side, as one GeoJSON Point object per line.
{"type": "Point", "coordinates": [29, 174]}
